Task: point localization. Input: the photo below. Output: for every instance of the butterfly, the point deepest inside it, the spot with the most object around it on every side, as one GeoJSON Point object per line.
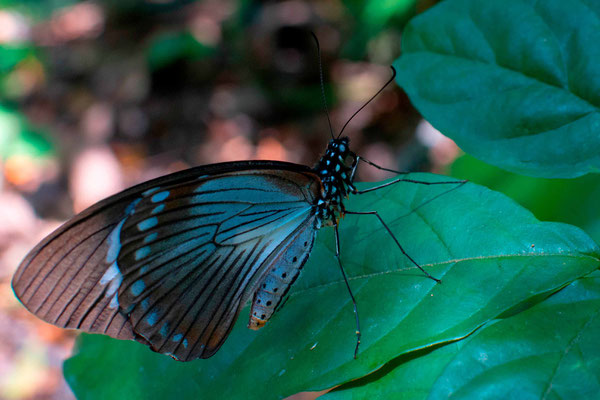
{"type": "Point", "coordinates": [172, 261]}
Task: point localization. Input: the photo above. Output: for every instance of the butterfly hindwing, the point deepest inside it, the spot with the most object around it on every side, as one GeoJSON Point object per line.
{"type": "Point", "coordinates": [282, 271]}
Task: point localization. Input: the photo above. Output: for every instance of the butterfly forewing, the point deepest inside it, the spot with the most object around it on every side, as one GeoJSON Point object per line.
{"type": "Point", "coordinates": [59, 279]}
{"type": "Point", "coordinates": [172, 261]}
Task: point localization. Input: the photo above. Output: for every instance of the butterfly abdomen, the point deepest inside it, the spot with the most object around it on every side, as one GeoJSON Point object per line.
{"type": "Point", "coordinates": [334, 176]}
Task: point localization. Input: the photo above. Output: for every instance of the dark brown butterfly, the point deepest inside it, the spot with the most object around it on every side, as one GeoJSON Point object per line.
{"type": "Point", "coordinates": [172, 261]}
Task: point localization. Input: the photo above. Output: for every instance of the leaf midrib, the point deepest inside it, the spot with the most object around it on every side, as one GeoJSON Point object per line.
{"type": "Point", "coordinates": [452, 261]}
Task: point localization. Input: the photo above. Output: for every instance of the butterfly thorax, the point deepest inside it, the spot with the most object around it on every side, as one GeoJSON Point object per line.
{"type": "Point", "coordinates": [336, 180]}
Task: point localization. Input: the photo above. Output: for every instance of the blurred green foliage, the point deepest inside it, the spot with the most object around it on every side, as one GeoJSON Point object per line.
{"type": "Point", "coordinates": [10, 56]}
{"type": "Point", "coordinates": [173, 46]}
{"type": "Point", "coordinates": [17, 135]}
{"type": "Point", "coordinates": [37, 9]}
{"type": "Point", "coordinates": [19, 138]}
{"type": "Point", "coordinates": [373, 18]}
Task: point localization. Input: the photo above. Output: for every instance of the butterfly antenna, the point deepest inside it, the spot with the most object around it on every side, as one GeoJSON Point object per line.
{"type": "Point", "coordinates": [322, 84]}
{"type": "Point", "coordinates": [371, 99]}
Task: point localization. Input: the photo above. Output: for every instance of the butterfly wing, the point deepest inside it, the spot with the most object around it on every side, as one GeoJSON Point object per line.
{"type": "Point", "coordinates": [172, 261]}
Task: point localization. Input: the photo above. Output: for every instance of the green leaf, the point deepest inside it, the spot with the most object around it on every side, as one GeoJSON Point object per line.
{"type": "Point", "coordinates": [549, 351]}
{"type": "Point", "coordinates": [573, 201]}
{"type": "Point", "coordinates": [515, 83]}
{"type": "Point", "coordinates": [493, 256]}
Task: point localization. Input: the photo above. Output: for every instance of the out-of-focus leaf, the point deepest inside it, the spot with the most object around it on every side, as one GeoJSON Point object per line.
{"type": "Point", "coordinates": [372, 17]}
{"type": "Point", "coordinates": [36, 9]}
{"type": "Point", "coordinates": [549, 351]}
{"type": "Point", "coordinates": [173, 46]}
{"type": "Point", "coordinates": [515, 83]}
{"type": "Point", "coordinates": [377, 13]}
{"type": "Point", "coordinates": [18, 138]}
{"type": "Point", "coordinates": [10, 56]}
{"type": "Point", "coordinates": [299, 100]}
{"type": "Point", "coordinates": [493, 257]}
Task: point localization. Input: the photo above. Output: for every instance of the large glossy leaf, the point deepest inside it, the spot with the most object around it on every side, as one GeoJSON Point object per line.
{"type": "Point", "coordinates": [515, 83]}
{"type": "Point", "coordinates": [549, 351]}
{"type": "Point", "coordinates": [493, 256]}
{"type": "Point", "coordinates": [573, 201]}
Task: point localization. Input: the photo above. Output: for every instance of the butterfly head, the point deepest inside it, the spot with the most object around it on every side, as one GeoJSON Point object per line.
{"type": "Point", "coordinates": [335, 177]}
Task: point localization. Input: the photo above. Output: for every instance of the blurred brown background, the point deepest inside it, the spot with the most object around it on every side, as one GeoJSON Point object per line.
{"type": "Point", "coordinates": [97, 96]}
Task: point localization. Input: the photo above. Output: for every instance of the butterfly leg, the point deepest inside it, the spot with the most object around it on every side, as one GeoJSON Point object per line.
{"type": "Point", "coordinates": [357, 159]}
{"type": "Point", "coordinates": [375, 213]}
{"type": "Point", "coordinates": [337, 255]}
{"type": "Point", "coordinates": [460, 183]}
